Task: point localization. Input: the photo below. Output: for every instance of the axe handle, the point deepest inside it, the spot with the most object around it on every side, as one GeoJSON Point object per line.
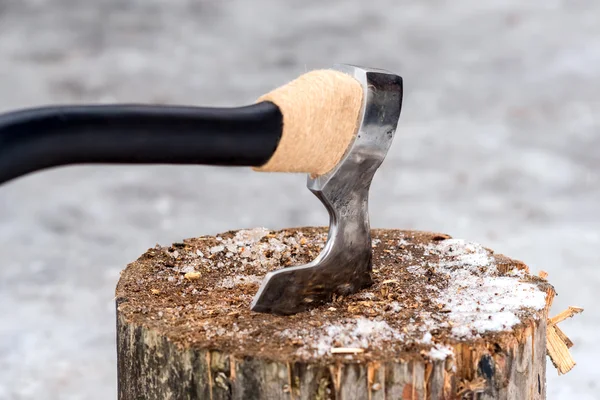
{"type": "Point", "coordinates": [306, 125]}
{"type": "Point", "coordinates": [36, 139]}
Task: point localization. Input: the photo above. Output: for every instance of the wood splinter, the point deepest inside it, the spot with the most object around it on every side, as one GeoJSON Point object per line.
{"type": "Point", "coordinates": [346, 350]}
{"type": "Point", "coordinates": [557, 343]}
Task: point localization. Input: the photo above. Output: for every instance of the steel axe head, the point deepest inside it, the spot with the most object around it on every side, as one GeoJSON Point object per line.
{"type": "Point", "coordinates": [344, 265]}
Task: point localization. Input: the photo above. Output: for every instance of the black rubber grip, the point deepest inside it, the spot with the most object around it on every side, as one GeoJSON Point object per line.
{"type": "Point", "coordinates": [36, 139]}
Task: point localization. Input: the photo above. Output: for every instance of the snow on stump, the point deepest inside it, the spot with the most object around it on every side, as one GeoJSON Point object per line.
{"type": "Point", "coordinates": [444, 319]}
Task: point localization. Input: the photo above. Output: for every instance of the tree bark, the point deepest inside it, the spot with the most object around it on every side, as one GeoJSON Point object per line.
{"type": "Point", "coordinates": [154, 363]}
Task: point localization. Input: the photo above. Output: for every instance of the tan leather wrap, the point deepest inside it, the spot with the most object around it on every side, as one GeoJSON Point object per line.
{"type": "Point", "coordinates": [320, 119]}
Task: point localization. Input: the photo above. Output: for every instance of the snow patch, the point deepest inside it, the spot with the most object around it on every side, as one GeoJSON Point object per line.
{"type": "Point", "coordinates": [217, 249]}
{"type": "Point", "coordinates": [478, 299]}
{"type": "Point", "coordinates": [440, 352]}
{"type": "Point", "coordinates": [231, 282]}
{"type": "Point", "coordinates": [360, 333]}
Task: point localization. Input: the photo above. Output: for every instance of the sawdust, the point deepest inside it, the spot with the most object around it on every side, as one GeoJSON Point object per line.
{"type": "Point", "coordinates": [429, 292]}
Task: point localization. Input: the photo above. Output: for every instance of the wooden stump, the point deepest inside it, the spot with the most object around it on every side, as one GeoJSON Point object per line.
{"type": "Point", "coordinates": [444, 319]}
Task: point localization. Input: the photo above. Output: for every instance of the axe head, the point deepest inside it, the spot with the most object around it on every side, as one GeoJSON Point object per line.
{"type": "Point", "coordinates": [344, 265]}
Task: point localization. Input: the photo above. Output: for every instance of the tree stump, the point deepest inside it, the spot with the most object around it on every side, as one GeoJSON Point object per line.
{"type": "Point", "coordinates": [444, 319]}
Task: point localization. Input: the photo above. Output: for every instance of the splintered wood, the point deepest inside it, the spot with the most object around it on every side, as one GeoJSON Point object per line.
{"type": "Point", "coordinates": [468, 389]}
{"type": "Point", "coordinates": [346, 350]}
{"type": "Point", "coordinates": [557, 343]}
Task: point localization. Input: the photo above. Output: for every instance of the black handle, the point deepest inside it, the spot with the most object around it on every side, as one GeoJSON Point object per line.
{"type": "Point", "coordinates": [36, 139]}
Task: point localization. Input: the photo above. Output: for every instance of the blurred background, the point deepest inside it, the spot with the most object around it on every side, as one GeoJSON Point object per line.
{"type": "Point", "coordinates": [499, 142]}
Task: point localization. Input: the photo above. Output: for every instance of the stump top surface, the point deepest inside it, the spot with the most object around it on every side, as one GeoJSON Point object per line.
{"type": "Point", "coordinates": [430, 291]}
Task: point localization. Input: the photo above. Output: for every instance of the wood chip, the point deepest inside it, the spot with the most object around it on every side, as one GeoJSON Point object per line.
{"type": "Point", "coordinates": [558, 351]}
{"type": "Point", "coordinates": [568, 313]}
{"type": "Point", "coordinates": [347, 350]}
{"type": "Point", "coordinates": [389, 281]}
{"type": "Point", "coordinates": [192, 276]}
{"type": "Point", "coordinates": [155, 291]}
{"type": "Point", "coordinates": [558, 344]}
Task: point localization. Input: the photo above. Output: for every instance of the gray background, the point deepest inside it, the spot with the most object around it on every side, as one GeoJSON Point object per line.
{"type": "Point", "coordinates": [498, 143]}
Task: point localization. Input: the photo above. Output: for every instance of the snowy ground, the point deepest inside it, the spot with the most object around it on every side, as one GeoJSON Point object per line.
{"type": "Point", "coordinates": [498, 143]}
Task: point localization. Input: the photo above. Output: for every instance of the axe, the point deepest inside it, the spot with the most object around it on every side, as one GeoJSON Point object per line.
{"type": "Point", "coordinates": [336, 125]}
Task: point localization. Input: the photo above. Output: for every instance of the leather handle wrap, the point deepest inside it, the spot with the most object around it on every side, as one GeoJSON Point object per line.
{"type": "Point", "coordinates": [321, 111]}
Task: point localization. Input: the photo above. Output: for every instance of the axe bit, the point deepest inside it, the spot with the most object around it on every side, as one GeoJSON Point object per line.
{"type": "Point", "coordinates": [336, 125]}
